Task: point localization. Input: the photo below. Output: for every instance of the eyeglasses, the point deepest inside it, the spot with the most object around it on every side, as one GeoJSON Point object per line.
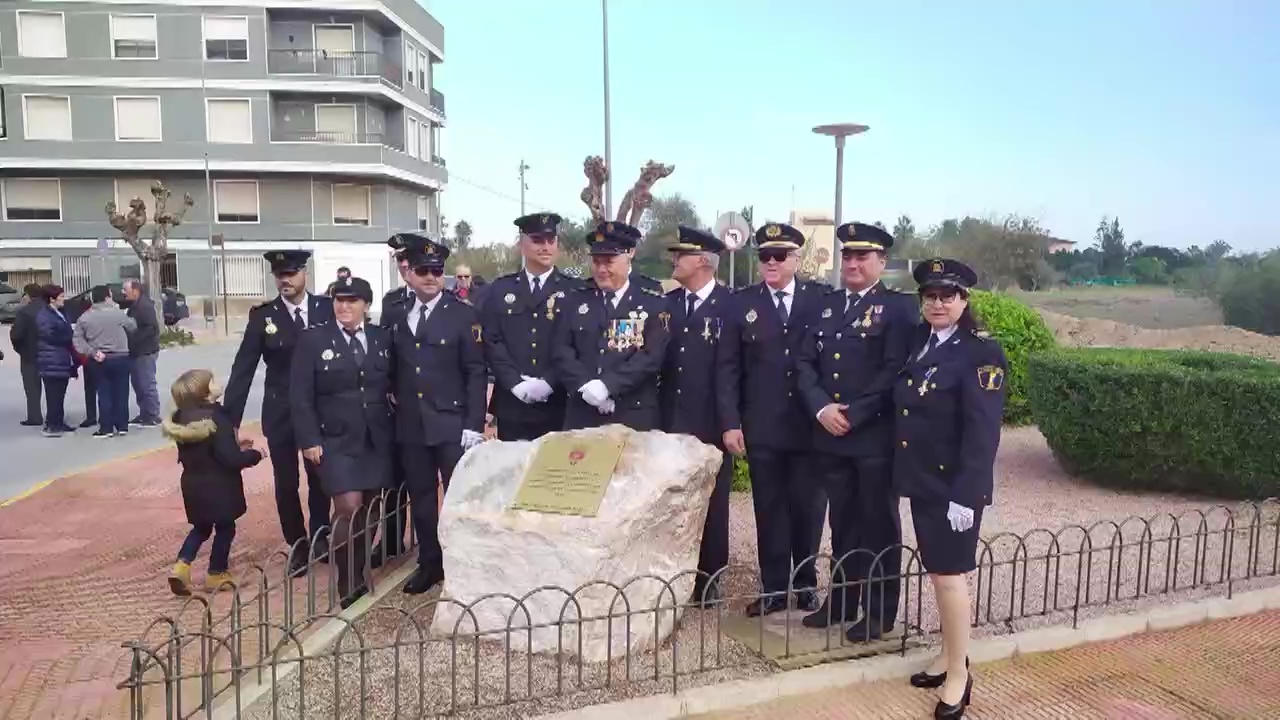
{"type": "Point", "coordinates": [939, 298]}
{"type": "Point", "coordinates": [423, 271]}
{"type": "Point", "coordinates": [774, 255]}
{"type": "Point", "coordinates": [463, 277]}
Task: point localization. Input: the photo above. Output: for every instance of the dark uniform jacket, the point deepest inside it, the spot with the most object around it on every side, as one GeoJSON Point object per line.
{"type": "Point", "coordinates": [440, 377]}
{"type": "Point", "coordinates": [689, 373]}
{"type": "Point", "coordinates": [852, 357]}
{"type": "Point", "coordinates": [394, 304]}
{"type": "Point", "coordinates": [270, 336]}
{"type": "Point", "coordinates": [756, 389]}
{"type": "Point", "coordinates": [337, 403]}
{"type": "Point", "coordinates": [948, 408]}
{"type": "Point", "coordinates": [518, 333]}
{"type": "Point", "coordinates": [624, 352]}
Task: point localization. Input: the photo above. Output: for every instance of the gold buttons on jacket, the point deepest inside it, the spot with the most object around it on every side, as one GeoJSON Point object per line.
{"type": "Point", "coordinates": [419, 396]}
{"type": "Point", "coordinates": [904, 412]}
{"type": "Point", "coordinates": [835, 376]}
{"type": "Point", "coordinates": [835, 356]}
{"type": "Point", "coordinates": [909, 382]}
{"type": "Point", "coordinates": [904, 443]}
{"type": "Point", "coordinates": [836, 396]}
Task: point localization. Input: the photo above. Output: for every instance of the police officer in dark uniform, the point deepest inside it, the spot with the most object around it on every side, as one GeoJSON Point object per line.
{"type": "Point", "coordinates": [398, 299]}
{"type": "Point", "coordinates": [611, 340]}
{"type": "Point", "coordinates": [846, 371]}
{"type": "Point", "coordinates": [763, 417]}
{"type": "Point", "coordinates": [343, 421]}
{"type": "Point", "coordinates": [270, 336]}
{"type": "Point", "coordinates": [689, 381]}
{"type": "Point", "coordinates": [644, 282]}
{"type": "Point", "coordinates": [439, 393]}
{"type": "Point", "coordinates": [519, 320]}
{"type": "Point", "coordinates": [948, 404]}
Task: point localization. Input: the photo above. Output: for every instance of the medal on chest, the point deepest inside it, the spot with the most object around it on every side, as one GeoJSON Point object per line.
{"type": "Point", "coordinates": [627, 333]}
{"type": "Point", "coordinates": [925, 385]}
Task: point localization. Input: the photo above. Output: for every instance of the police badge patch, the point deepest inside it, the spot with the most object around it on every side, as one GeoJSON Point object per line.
{"type": "Point", "coordinates": [477, 332]}
{"type": "Point", "coordinates": [991, 377]}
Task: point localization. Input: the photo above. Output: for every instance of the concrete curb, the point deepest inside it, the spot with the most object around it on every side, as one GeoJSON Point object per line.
{"type": "Point", "coordinates": [746, 693]}
{"type": "Point", "coordinates": [251, 691]}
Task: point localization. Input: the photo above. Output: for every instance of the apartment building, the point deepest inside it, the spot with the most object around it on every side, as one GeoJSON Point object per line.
{"type": "Point", "coordinates": [291, 123]}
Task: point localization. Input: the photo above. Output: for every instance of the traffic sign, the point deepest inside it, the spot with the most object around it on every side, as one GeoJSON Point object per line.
{"type": "Point", "coordinates": [103, 246]}
{"type": "Point", "coordinates": [733, 230]}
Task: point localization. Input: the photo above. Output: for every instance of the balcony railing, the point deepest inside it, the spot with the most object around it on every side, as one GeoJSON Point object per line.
{"type": "Point", "coordinates": [436, 159]}
{"type": "Point", "coordinates": [437, 101]}
{"type": "Point", "coordinates": [329, 137]}
{"type": "Point", "coordinates": [360, 64]}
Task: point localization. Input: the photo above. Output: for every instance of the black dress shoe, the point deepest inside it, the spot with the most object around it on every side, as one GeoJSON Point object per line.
{"type": "Point", "coordinates": [867, 631]}
{"type": "Point", "coordinates": [708, 597]}
{"type": "Point", "coordinates": [943, 711]}
{"type": "Point", "coordinates": [926, 680]}
{"type": "Point", "coordinates": [423, 580]}
{"type": "Point", "coordinates": [806, 600]}
{"type": "Point", "coordinates": [766, 606]}
{"type": "Point", "coordinates": [321, 550]}
{"type": "Point", "coordinates": [353, 596]}
{"type": "Point", "coordinates": [89, 422]}
{"type": "Point", "coordinates": [298, 563]}
{"type": "Point", "coordinates": [32, 423]}
{"type": "Point", "coordinates": [824, 617]}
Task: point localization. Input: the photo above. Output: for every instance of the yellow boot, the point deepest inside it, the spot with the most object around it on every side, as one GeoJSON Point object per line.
{"type": "Point", "coordinates": [217, 581]}
{"type": "Point", "coordinates": [180, 578]}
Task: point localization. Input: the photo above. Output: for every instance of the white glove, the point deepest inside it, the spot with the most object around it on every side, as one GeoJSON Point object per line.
{"type": "Point", "coordinates": [960, 516]}
{"type": "Point", "coordinates": [607, 407]}
{"type": "Point", "coordinates": [538, 389]}
{"type": "Point", "coordinates": [594, 392]}
{"type": "Point", "coordinates": [524, 391]}
{"type": "Point", "coordinates": [470, 439]}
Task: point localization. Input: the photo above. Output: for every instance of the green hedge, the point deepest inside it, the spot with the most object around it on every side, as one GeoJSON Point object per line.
{"type": "Point", "coordinates": [1195, 422]}
{"type": "Point", "coordinates": [1021, 332]}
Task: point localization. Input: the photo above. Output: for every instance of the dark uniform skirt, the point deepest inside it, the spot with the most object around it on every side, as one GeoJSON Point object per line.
{"type": "Point", "coordinates": [343, 472]}
{"type": "Point", "coordinates": [944, 551]}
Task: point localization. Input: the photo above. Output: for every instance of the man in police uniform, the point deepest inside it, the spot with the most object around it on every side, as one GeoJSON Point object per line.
{"type": "Point", "coordinates": [763, 418]}
{"type": "Point", "coordinates": [847, 366]}
{"type": "Point", "coordinates": [270, 336]}
{"type": "Point", "coordinates": [519, 319]}
{"type": "Point", "coordinates": [440, 396]}
{"type": "Point", "coordinates": [611, 340]}
{"type": "Point", "coordinates": [633, 234]}
{"type": "Point", "coordinates": [398, 299]}
{"type": "Point", "coordinates": [689, 381]}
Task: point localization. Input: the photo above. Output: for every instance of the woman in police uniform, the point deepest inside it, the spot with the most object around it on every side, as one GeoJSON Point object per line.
{"type": "Point", "coordinates": [948, 402]}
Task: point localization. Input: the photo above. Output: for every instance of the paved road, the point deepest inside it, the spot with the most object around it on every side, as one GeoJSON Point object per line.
{"type": "Point", "coordinates": [30, 458]}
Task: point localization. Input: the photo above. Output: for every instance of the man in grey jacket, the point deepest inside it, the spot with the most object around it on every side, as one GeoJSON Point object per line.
{"type": "Point", "coordinates": [102, 335]}
{"type": "Point", "coordinates": [144, 348]}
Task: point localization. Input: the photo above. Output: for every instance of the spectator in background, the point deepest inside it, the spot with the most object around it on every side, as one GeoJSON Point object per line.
{"type": "Point", "coordinates": [54, 359]}
{"type": "Point", "coordinates": [102, 336]}
{"type": "Point", "coordinates": [25, 337]}
{"type": "Point", "coordinates": [144, 348]}
{"type": "Point", "coordinates": [462, 283]}
{"type": "Point", "coordinates": [344, 274]}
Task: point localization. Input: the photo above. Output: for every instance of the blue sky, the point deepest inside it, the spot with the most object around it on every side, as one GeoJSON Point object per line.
{"type": "Point", "coordinates": [1166, 114]}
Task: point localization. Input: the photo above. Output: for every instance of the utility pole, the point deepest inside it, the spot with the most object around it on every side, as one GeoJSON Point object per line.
{"type": "Point", "coordinates": [523, 185]}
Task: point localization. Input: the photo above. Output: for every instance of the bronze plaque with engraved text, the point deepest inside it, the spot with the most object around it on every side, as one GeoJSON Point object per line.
{"type": "Point", "coordinates": [569, 475]}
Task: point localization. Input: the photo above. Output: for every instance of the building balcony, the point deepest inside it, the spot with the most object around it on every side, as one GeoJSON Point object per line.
{"type": "Point", "coordinates": [437, 101]}
{"type": "Point", "coordinates": [373, 66]}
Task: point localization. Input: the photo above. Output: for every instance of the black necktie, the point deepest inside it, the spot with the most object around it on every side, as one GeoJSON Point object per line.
{"type": "Point", "coordinates": [297, 319]}
{"type": "Point", "coordinates": [930, 345]}
{"type": "Point", "coordinates": [608, 301]}
{"type": "Point", "coordinates": [357, 349]}
{"type": "Point", "coordinates": [421, 331]}
{"type": "Point", "coordinates": [693, 302]}
{"type": "Point", "coordinates": [782, 305]}
{"type": "Point", "coordinates": [537, 284]}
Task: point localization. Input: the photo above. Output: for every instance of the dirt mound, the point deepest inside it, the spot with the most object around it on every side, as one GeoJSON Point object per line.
{"type": "Point", "coordinates": [1092, 332]}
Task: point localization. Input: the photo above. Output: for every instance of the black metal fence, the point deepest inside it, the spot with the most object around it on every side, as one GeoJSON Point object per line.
{"type": "Point", "coordinates": [390, 662]}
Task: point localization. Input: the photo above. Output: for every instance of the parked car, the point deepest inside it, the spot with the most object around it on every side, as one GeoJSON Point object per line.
{"type": "Point", "coordinates": [10, 301]}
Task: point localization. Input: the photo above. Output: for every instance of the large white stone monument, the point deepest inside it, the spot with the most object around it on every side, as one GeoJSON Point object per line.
{"type": "Point", "coordinates": [648, 525]}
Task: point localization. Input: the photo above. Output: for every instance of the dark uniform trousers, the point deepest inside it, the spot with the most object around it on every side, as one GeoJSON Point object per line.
{"type": "Point", "coordinates": [394, 507]}
{"type": "Point", "coordinates": [852, 356]}
{"type": "Point", "coordinates": [687, 395]}
{"type": "Point", "coordinates": [338, 402]}
{"type": "Point", "coordinates": [756, 392]}
{"type": "Point", "coordinates": [440, 391]}
{"type": "Point", "coordinates": [519, 325]}
{"type": "Point", "coordinates": [623, 346]}
{"type": "Point", "coordinates": [270, 336]}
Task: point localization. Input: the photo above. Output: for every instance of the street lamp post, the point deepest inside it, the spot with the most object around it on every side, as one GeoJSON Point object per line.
{"type": "Point", "coordinates": [839, 131]}
{"type": "Point", "coordinates": [608, 159]}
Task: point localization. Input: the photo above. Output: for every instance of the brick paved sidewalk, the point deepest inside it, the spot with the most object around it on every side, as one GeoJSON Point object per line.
{"type": "Point", "coordinates": [82, 568]}
{"type": "Point", "coordinates": [1223, 669]}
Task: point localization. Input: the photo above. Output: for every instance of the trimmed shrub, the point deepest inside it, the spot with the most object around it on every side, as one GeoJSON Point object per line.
{"type": "Point", "coordinates": [1021, 332]}
{"type": "Point", "coordinates": [172, 336]}
{"type": "Point", "coordinates": [1184, 421]}
{"type": "Point", "coordinates": [741, 476]}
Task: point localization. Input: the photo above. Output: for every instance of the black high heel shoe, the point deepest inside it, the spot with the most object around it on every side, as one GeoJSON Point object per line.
{"type": "Point", "coordinates": [926, 680]}
{"type": "Point", "coordinates": [943, 711]}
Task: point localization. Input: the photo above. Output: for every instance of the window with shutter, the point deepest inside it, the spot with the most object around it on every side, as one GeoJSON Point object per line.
{"type": "Point", "coordinates": [422, 212]}
{"type": "Point", "coordinates": [410, 64]}
{"type": "Point", "coordinates": [423, 66]}
{"type": "Point", "coordinates": [226, 38]}
{"type": "Point", "coordinates": [351, 204]}
{"type": "Point", "coordinates": [424, 141]}
{"type": "Point", "coordinates": [236, 201]}
{"type": "Point", "coordinates": [46, 117]}
{"type": "Point", "coordinates": [230, 120]}
{"type": "Point", "coordinates": [133, 37]}
{"type": "Point", "coordinates": [32, 199]}
{"type": "Point", "coordinates": [138, 119]}
{"type": "Point", "coordinates": [411, 138]}
{"type": "Point", "coordinates": [336, 123]}
{"type": "Point", "coordinates": [41, 34]}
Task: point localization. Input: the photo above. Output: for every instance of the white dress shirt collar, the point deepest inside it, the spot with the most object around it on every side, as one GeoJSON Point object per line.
{"type": "Point", "coordinates": [620, 293]}
{"type": "Point", "coordinates": [542, 279]}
